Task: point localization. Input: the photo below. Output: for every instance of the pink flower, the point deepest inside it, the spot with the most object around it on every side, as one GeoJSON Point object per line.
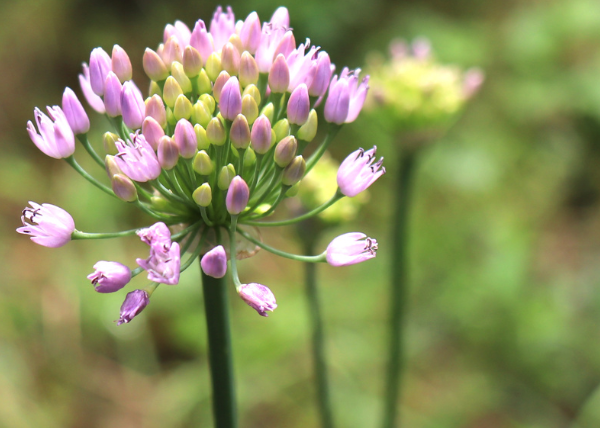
{"type": "Point", "coordinates": [351, 248]}
{"type": "Point", "coordinates": [136, 159]}
{"type": "Point", "coordinates": [93, 100]}
{"type": "Point", "coordinates": [134, 303]}
{"type": "Point", "coordinates": [109, 276]}
{"type": "Point", "coordinates": [358, 172]}
{"type": "Point", "coordinates": [346, 97]}
{"type": "Point", "coordinates": [214, 263]}
{"type": "Point", "coordinates": [47, 224]}
{"type": "Point", "coordinates": [258, 297]}
{"type": "Point", "coordinates": [56, 138]}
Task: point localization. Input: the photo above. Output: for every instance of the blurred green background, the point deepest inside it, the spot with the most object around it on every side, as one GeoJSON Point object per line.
{"type": "Point", "coordinates": [504, 315]}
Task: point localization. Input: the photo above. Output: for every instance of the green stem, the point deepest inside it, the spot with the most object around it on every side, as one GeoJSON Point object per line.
{"type": "Point", "coordinates": [318, 341]}
{"type": "Point", "coordinates": [86, 144]}
{"type": "Point", "coordinates": [398, 292]}
{"type": "Point", "coordinates": [312, 161]}
{"type": "Point", "coordinates": [71, 161]}
{"type": "Point", "coordinates": [338, 195]}
{"type": "Point", "coordinates": [219, 351]}
{"type": "Point", "coordinates": [84, 235]}
{"type": "Point", "coordinates": [309, 259]}
{"type": "Point", "coordinates": [233, 252]}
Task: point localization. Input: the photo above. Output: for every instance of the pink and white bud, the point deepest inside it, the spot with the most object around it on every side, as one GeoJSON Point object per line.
{"type": "Point", "coordinates": [281, 17]}
{"type": "Point", "coordinates": [185, 138]}
{"type": "Point", "coordinates": [76, 116]}
{"type": "Point", "coordinates": [56, 138]}
{"type": "Point", "coordinates": [237, 196]}
{"type": "Point", "coordinates": [156, 108]}
{"type": "Point", "coordinates": [121, 64]}
{"type": "Point", "coordinates": [357, 172]}
{"type": "Point", "coordinates": [259, 297]}
{"type": "Point", "coordinates": [351, 248]}
{"type": "Point", "coordinates": [132, 106]}
{"type": "Point", "coordinates": [214, 263]}
{"type": "Point", "coordinates": [250, 33]}
{"type": "Point", "coordinates": [152, 131]}
{"type": "Point", "coordinates": [137, 159]}
{"type": "Point", "coordinates": [230, 59]}
{"type": "Point", "coordinates": [421, 48]}
{"type": "Point", "coordinates": [100, 65]}
{"type": "Point", "coordinates": [134, 303]}
{"type": "Point", "coordinates": [230, 101]}
{"type": "Point", "coordinates": [93, 100]}
{"type": "Point", "coordinates": [298, 105]}
{"type": "Point", "coordinates": [112, 95]}
{"type": "Point", "coordinates": [320, 83]}
{"type": "Point", "coordinates": [168, 153]}
{"type": "Point", "coordinates": [172, 52]}
{"type": "Point", "coordinates": [48, 225]}
{"type": "Point", "coordinates": [202, 41]}
{"type": "Point", "coordinates": [279, 75]}
{"type": "Point", "coordinates": [154, 66]}
{"type": "Point", "coordinates": [222, 26]}
{"type": "Point", "coordinates": [260, 136]}
{"type": "Point", "coordinates": [109, 276]}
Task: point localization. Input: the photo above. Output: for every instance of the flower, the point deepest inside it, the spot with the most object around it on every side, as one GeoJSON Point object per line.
{"type": "Point", "coordinates": [351, 248]}
{"type": "Point", "coordinates": [163, 263]}
{"type": "Point", "coordinates": [93, 100]}
{"type": "Point", "coordinates": [358, 172]}
{"type": "Point", "coordinates": [56, 138]}
{"type": "Point", "coordinates": [134, 303]}
{"type": "Point", "coordinates": [214, 263]}
{"type": "Point", "coordinates": [258, 297]}
{"type": "Point", "coordinates": [346, 97]}
{"type": "Point", "coordinates": [155, 234]}
{"type": "Point", "coordinates": [47, 224]}
{"type": "Point", "coordinates": [109, 276]}
{"type": "Point", "coordinates": [136, 159]}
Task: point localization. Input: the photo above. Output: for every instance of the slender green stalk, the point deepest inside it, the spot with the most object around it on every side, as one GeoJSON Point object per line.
{"type": "Point", "coordinates": [398, 292]}
{"type": "Point", "coordinates": [71, 161]}
{"type": "Point", "coordinates": [318, 341]}
{"type": "Point", "coordinates": [84, 235]}
{"type": "Point", "coordinates": [314, 158]}
{"type": "Point", "coordinates": [86, 144]}
{"type": "Point", "coordinates": [219, 351]}
{"type": "Point", "coordinates": [309, 259]}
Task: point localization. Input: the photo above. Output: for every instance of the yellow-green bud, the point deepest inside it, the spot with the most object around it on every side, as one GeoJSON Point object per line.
{"type": "Point", "coordinates": [154, 89]}
{"type": "Point", "coordinates": [192, 62]}
{"type": "Point", "coordinates": [171, 119]}
{"type": "Point", "coordinates": [282, 129]}
{"type": "Point", "coordinates": [154, 66]}
{"type": "Point", "coordinates": [109, 143]}
{"type": "Point", "coordinates": [171, 91]}
{"type": "Point", "coordinates": [293, 191]}
{"type": "Point", "coordinates": [209, 101]}
{"type": "Point", "coordinates": [124, 188]}
{"type": "Point", "coordinates": [308, 131]}
{"type": "Point", "coordinates": [268, 111]}
{"type": "Point", "coordinates": [294, 172]}
{"type": "Point", "coordinates": [219, 83]}
{"type": "Point", "coordinates": [249, 157]}
{"type": "Point", "coordinates": [183, 108]}
{"type": "Point", "coordinates": [203, 143]}
{"type": "Point", "coordinates": [200, 113]}
{"type": "Point", "coordinates": [213, 66]}
{"type": "Point", "coordinates": [237, 42]}
{"type": "Point", "coordinates": [285, 151]}
{"type": "Point", "coordinates": [225, 176]}
{"type": "Point", "coordinates": [240, 132]}
{"type": "Point", "coordinates": [248, 70]}
{"type": "Point", "coordinates": [203, 195]}
{"type": "Point", "coordinates": [202, 163]}
{"type": "Point", "coordinates": [203, 82]}
{"type": "Point", "coordinates": [249, 108]}
{"type": "Point", "coordinates": [111, 167]}
{"type": "Point", "coordinates": [215, 132]}
{"type": "Point", "coordinates": [252, 90]}
{"type": "Point", "coordinates": [179, 74]}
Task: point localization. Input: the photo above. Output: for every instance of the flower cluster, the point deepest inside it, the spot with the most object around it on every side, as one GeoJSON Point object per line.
{"type": "Point", "coordinates": [215, 147]}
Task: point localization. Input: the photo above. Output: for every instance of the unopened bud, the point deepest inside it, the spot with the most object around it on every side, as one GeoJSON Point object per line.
{"type": "Point", "coordinates": [230, 59]}
{"type": "Point", "coordinates": [183, 108]}
{"type": "Point", "coordinates": [156, 109]}
{"type": "Point", "coordinates": [215, 132]}
{"type": "Point", "coordinates": [168, 152]}
{"type": "Point", "coordinates": [234, 39]}
{"type": "Point", "coordinates": [111, 167]}
{"type": "Point", "coordinates": [214, 262]}
{"type": "Point", "coordinates": [112, 95]}
{"type": "Point", "coordinates": [200, 113]}
{"type": "Point", "coordinates": [203, 195]}
{"type": "Point", "coordinates": [249, 157]}
{"type": "Point", "coordinates": [213, 66]}
{"type": "Point", "coordinates": [308, 131]}
{"type": "Point", "coordinates": [121, 64]}
{"type": "Point", "coordinates": [294, 172]}
{"type": "Point", "coordinates": [298, 105]}
{"type": "Point", "coordinates": [254, 91]}
{"type": "Point", "coordinates": [192, 62]}
{"type": "Point", "coordinates": [171, 91]}
{"type": "Point", "coordinates": [123, 187]}
{"type": "Point", "coordinates": [171, 52]}
{"type": "Point", "coordinates": [203, 82]}
{"type": "Point", "coordinates": [249, 108]}
{"type": "Point", "coordinates": [225, 176]}
{"type": "Point", "coordinates": [269, 111]}
{"type": "Point", "coordinates": [240, 132]}
{"type": "Point", "coordinates": [219, 84]}
{"type": "Point", "coordinates": [230, 102]}
{"type": "Point", "coordinates": [282, 129]}
{"type": "Point", "coordinates": [171, 120]}
{"type": "Point", "coordinates": [185, 137]}
{"type": "Point", "coordinates": [154, 67]}
{"type": "Point", "coordinates": [209, 101]}
{"type": "Point", "coordinates": [179, 74]}
{"type": "Point", "coordinates": [237, 196]}
{"type": "Point", "coordinates": [154, 89]}
{"type": "Point", "coordinates": [285, 151]}
{"type": "Point", "coordinates": [152, 131]}
{"type": "Point", "coordinates": [248, 70]}
{"type": "Point", "coordinates": [109, 143]}
{"type": "Point", "coordinates": [279, 75]}
{"type": "Point", "coordinates": [260, 136]}
{"type": "Point", "coordinates": [202, 163]}
{"type": "Point", "coordinates": [202, 139]}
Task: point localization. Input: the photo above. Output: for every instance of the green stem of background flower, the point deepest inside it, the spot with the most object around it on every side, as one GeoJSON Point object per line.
{"type": "Point", "coordinates": [399, 286]}
{"type": "Point", "coordinates": [216, 309]}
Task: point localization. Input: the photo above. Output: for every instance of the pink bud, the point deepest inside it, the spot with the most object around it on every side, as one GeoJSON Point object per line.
{"type": "Point", "coordinates": [112, 95]}
{"type": "Point", "coordinates": [279, 75]}
{"type": "Point", "coordinates": [185, 138]}
{"type": "Point", "coordinates": [76, 116]}
{"type": "Point", "coordinates": [259, 297]}
{"type": "Point", "coordinates": [298, 106]}
{"type": "Point", "coordinates": [121, 64]}
{"type": "Point", "coordinates": [230, 101]}
{"type": "Point", "coordinates": [237, 196]}
{"type": "Point", "coordinates": [214, 263]}
{"type": "Point", "coordinates": [100, 65]}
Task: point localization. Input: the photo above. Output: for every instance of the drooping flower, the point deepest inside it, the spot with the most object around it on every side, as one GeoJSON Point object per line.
{"type": "Point", "coordinates": [158, 233]}
{"type": "Point", "coordinates": [214, 263]}
{"type": "Point", "coordinates": [163, 264]}
{"type": "Point", "coordinates": [351, 248]}
{"type": "Point", "coordinates": [136, 159]}
{"type": "Point", "coordinates": [109, 276]}
{"type": "Point", "coordinates": [358, 172]}
{"type": "Point", "coordinates": [56, 138]}
{"type": "Point", "coordinates": [134, 303]}
{"type": "Point", "coordinates": [259, 297]}
{"type": "Point", "coordinates": [346, 97]}
{"type": "Point", "coordinates": [47, 224]}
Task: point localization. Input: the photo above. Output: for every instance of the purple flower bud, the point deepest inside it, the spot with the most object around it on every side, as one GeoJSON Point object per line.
{"type": "Point", "coordinates": [123, 187]}
{"type": "Point", "coordinates": [154, 67]}
{"type": "Point", "coordinates": [121, 64]}
{"type": "Point", "coordinates": [76, 116]}
{"type": "Point", "coordinates": [202, 41]}
{"type": "Point", "coordinates": [158, 233]}
{"type": "Point", "coordinates": [322, 75]}
{"type": "Point", "coordinates": [269, 41]}
{"type": "Point", "coordinates": [112, 95]}
{"type": "Point", "coordinates": [152, 131]}
{"type": "Point", "coordinates": [93, 100]}
{"type": "Point", "coordinates": [156, 108]}
{"type": "Point", "coordinates": [132, 106]}
{"type": "Point", "coordinates": [281, 17]}
{"type": "Point", "coordinates": [279, 75]}
{"type": "Point", "coordinates": [260, 136]}
{"type": "Point", "coordinates": [171, 52]}
{"type": "Point", "coordinates": [47, 224]}
{"type": "Point", "coordinates": [230, 101]}
{"type": "Point", "coordinates": [237, 196]}
{"type": "Point", "coordinates": [214, 263]}
{"type": "Point", "coordinates": [185, 138]}
{"type": "Point", "coordinates": [351, 248]}
{"type": "Point", "coordinates": [219, 84]}
{"type": "Point", "coordinates": [134, 303]}
{"type": "Point", "coordinates": [137, 159]}
{"type": "Point", "coordinates": [163, 264]}
{"type": "Point", "coordinates": [168, 152]}
{"type": "Point", "coordinates": [222, 26]}
{"type": "Point", "coordinates": [259, 297]}
{"type": "Point", "coordinates": [109, 276]}
{"type": "Point", "coordinates": [302, 67]}
{"type": "Point", "coordinates": [239, 134]}
{"type": "Point", "coordinates": [250, 33]}
{"type": "Point", "coordinates": [100, 65]}
{"type": "Point", "coordinates": [358, 172]}
{"type": "Point", "coordinates": [298, 105]}
{"type": "Point", "coordinates": [56, 138]}
{"type": "Point", "coordinates": [346, 97]}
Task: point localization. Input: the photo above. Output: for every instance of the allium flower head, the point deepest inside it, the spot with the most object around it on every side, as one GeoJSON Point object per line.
{"type": "Point", "coordinates": [351, 248]}
{"type": "Point", "coordinates": [47, 224]}
{"type": "Point", "coordinates": [358, 172]}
